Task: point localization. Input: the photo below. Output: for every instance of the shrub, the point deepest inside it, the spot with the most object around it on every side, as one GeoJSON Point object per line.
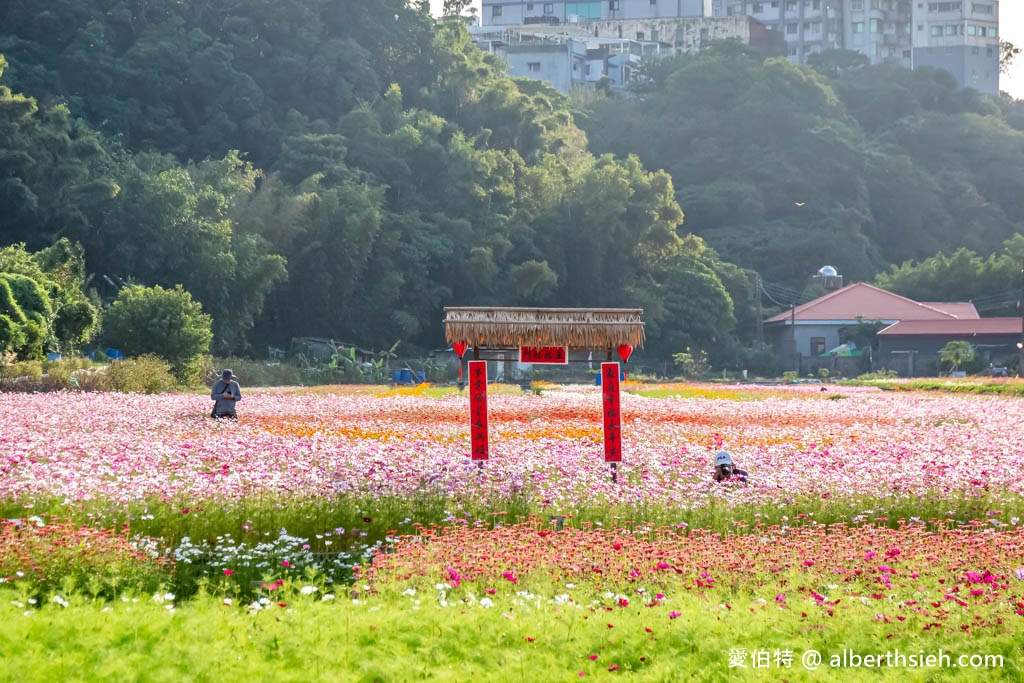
{"type": "Point", "coordinates": [143, 375]}
{"type": "Point", "coordinates": [162, 322]}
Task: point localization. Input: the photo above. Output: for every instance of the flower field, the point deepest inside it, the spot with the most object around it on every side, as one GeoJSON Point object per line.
{"type": "Point", "coordinates": [871, 518]}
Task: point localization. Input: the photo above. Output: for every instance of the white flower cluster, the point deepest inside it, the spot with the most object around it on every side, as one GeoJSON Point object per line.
{"type": "Point", "coordinates": [270, 555]}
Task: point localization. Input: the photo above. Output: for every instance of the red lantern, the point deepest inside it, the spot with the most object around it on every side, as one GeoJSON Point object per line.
{"type": "Point", "coordinates": [460, 349]}
{"type": "Point", "coordinates": [624, 352]}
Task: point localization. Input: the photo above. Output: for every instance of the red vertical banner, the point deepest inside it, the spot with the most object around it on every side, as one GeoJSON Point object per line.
{"type": "Point", "coordinates": [612, 415]}
{"type": "Point", "coordinates": [478, 408]}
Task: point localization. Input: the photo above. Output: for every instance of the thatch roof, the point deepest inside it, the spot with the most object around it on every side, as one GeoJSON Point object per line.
{"type": "Point", "coordinates": [594, 328]}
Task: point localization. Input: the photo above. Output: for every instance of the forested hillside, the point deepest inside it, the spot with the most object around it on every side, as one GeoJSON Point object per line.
{"type": "Point", "coordinates": [347, 168]}
{"type": "Point", "coordinates": [782, 168]}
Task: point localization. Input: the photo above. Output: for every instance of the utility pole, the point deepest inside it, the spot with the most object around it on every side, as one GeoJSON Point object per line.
{"type": "Point", "coordinates": [757, 307]}
{"type": "Point", "coordinates": [1020, 309]}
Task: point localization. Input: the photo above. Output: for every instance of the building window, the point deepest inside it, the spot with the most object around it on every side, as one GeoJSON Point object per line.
{"type": "Point", "coordinates": [640, 36]}
{"type": "Point", "coordinates": [775, 4]}
{"type": "Point", "coordinates": [949, 30]}
{"type": "Point", "coordinates": [654, 2]}
{"type": "Point", "coordinates": [758, 8]}
{"type": "Point", "coordinates": [857, 6]}
{"type": "Point", "coordinates": [817, 346]}
{"type": "Point", "coordinates": [496, 10]}
{"type": "Point", "coordinates": [792, 28]}
{"type": "Point", "coordinates": [971, 30]}
{"type": "Point", "coordinates": [858, 27]}
{"type": "Point", "coordinates": [936, 30]}
{"type": "Point", "coordinates": [613, 5]}
{"type": "Point", "coordinates": [790, 5]}
{"type": "Point", "coordinates": [873, 26]}
{"type": "Point", "coordinates": [975, 50]}
{"type": "Point", "coordinates": [533, 67]}
{"type": "Point", "coordinates": [549, 8]}
{"type": "Point", "coordinates": [906, 54]}
{"type": "Point", "coordinates": [981, 9]}
{"type": "Point", "coordinates": [529, 7]}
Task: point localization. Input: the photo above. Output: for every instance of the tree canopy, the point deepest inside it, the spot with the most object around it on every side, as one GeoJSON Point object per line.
{"type": "Point", "coordinates": [346, 169]}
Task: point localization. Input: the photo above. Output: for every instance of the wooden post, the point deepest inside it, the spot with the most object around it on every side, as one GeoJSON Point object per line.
{"type": "Point", "coordinates": [478, 410]}
{"type": "Point", "coordinates": [612, 416]}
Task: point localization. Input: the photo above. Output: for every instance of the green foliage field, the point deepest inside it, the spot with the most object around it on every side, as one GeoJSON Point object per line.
{"type": "Point", "coordinates": [311, 632]}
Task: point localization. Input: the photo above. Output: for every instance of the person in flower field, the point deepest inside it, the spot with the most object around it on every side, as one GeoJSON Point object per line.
{"type": "Point", "coordinates": [726, 470]}
{"type": "Point", "coordinates": [226, 393]}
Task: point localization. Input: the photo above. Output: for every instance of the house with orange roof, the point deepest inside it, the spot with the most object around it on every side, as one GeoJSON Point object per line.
{"type": "Point", "coordinates": [914, 330]}
{"type": "Point", "coordinates": [911, 347]}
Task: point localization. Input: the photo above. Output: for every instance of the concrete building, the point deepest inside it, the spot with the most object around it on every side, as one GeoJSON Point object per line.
{"type": "Point", "coordinates": [585, 52]}
{"type": "Point", "coordinates": [521, 12]}
{"type": "Point", "coordinates": [808, 26]}
{"type": "Point", "coordinates": [959, 36]}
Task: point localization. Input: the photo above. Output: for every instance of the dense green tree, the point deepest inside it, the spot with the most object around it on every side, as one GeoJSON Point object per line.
{"type": "Point", "coordinates": [993, 282]}
{"type": "Point", "coordinates": [163, 322]}
{"type": "Point", "coordinates": [956, 354]}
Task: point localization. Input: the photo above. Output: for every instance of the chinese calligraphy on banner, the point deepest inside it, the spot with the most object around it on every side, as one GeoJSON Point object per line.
{"type": "Point", "coordinates": [478, 408]}
{"type": "Point", "coordinates": [551, 355]}
{"type": "Point", "coordinates": [610, 407]}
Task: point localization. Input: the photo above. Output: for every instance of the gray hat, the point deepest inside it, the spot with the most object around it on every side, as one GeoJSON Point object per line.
{"type": "Point", "coordinates": [723, 458]}
{"type": "Point", "coordinates": [226, 375]}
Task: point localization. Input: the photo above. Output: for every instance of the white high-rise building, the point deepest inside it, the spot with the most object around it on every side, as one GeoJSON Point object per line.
{"type": "Point", "coordinates": [961, 37]}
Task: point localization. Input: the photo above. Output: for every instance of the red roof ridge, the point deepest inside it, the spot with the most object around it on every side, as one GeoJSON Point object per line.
{"type": "Point", "coordinates": [814, 303]}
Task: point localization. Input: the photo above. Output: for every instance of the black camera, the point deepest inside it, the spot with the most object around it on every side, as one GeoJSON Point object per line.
{"type": "Point", "coordinates": [726, 470]}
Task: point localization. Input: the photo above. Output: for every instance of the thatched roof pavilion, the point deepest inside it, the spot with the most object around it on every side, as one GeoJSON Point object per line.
{"type": "Point", "coordinates": [588, 328]}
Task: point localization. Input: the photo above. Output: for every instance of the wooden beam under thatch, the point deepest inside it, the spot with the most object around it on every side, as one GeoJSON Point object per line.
{"type": "Point", "coordinates": [594, 328]}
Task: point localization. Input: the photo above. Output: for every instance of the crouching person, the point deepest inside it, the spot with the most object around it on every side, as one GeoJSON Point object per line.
{"type": "Point", "coordinates": [726, 470]}
{"type": "Point", "coordinates": [225, 394]}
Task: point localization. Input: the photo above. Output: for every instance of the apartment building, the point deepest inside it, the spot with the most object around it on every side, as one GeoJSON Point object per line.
{"type": "Point", "coordinates": [566, 55]}
{"type": "Point", "coordinates": [521, 12]}
{"type": "Point", "coordinates": [960, 36]}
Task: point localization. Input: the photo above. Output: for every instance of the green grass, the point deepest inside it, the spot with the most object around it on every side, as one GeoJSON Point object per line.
{"type": "Point", "coordinates": [1002, 387]}
{"type": "Point", "coordinates": [539, 636]}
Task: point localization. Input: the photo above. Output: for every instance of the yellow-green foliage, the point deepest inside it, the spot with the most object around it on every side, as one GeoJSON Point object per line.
{"type": "Point", "coordinates": [549, 636]}
{"type": "Point", "coordinates": [143, 375]}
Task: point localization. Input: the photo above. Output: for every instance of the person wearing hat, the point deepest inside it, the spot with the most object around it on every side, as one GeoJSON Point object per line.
{"type": "Point", "coordinates": [226, 393]}
{"type": "Point", "coordinates": [726, 470]}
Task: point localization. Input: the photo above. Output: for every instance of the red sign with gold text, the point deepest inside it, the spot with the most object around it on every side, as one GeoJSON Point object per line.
{"type": "Point", "coordinates": [478, 408]}
{"type": "Point", "coordinates": [612, 415]}
{"type": "Point", "coordinates": [551, 355]}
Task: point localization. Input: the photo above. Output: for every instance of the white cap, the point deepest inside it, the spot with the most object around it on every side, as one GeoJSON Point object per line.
{"type": "Point", "coordinates": [723, 458]}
